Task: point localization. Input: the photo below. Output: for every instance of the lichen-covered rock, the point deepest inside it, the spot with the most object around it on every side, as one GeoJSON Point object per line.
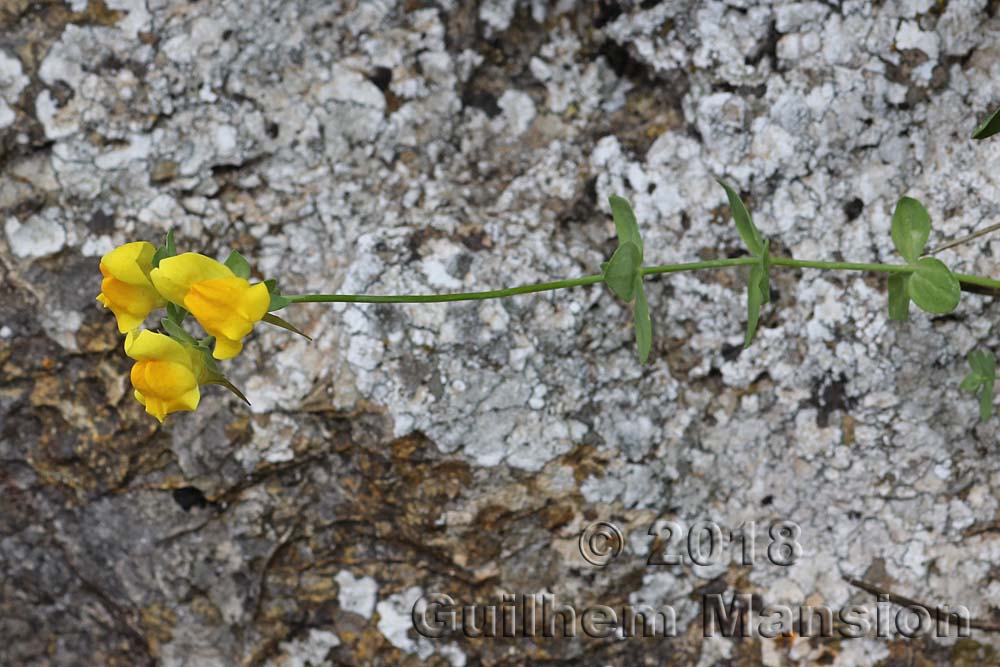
{"type": "Point", "coordinates": [405, 146]}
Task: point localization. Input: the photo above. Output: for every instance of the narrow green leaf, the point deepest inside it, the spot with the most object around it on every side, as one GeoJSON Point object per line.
{"type": "Point", "coordinates": [284, 324]}
{"type": "Point", "coordinates": [160, 254]}
{"type": "Point", "coordinates": [238, 264]}
{"type": "Point", "coordinates": [989, 127]}
{"type": "Point", "coordinates": [899, 298]}
{"type": "Point", "coordinates": [911, 226]}
{"type": "Point", "coordinates": [986, 401]}
{"type": "Point", "coordinates": [168, 249]}
{"type": "Point", "coordinates": [971, 382]}
{"type": "Point", "coordinates": [212, 375]}
{"type": "Point", "coordinates": [176, 313]}
{"type": "Point", "coordinates": [625, 222]}
{"type": "Point", "coordinates": [765, 274]}
{"type": "Point", "coordinates": [277, 302]}
{"type": "Point", "coordinates": [983, 364]}
{"type": "Point", "coordinates": [223, 382]}
{"type": "Point", "coordinates": [754, 300]}
{"type": "Point", "coordinates": [621, 271]}
{"type": "Point", "coordinates": [744, 223]}
{"type": "Point", "coordinates": [933, 287]}
{"type": "Point", "coordinates": [643, 324]}
{"type": "Point", "coordinates": [981, 380]}
{"type": "Point", "coordinates": [176, 331]}
{"type": "Point", "coordinates": [211, 367]}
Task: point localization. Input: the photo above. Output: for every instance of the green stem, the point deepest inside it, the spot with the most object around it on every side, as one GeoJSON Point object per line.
{"type": "Point", "coordinates": [977, 280]}
{"type": "Point", "coordinates": [884, 268]}
{"type": "Point", "coordinates": [694, 266]}
{"type": "Point", "coordinates": [440, 298]}
{"type": "Point", "coordinates": [646, 270]}
{"type": "Point", "coordinates": [510, 291]}
{"type": "Point", "coordinates": [842, 266]}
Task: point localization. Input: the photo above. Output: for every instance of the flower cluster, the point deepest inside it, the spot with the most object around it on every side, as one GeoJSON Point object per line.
{"type": "Point", "coordinates": [171, 366]}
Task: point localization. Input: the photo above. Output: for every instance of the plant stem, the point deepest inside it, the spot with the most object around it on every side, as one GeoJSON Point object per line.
{"type": "Point", "coordinates": [977, 280]}
{"type": "Point", "coordinates": [842, 266]}
{"type": "Point", "coordinates": [646, 270]}
{"type": "Point", "coordinates": [510, 291]}
{"type": "Point", "coordinates": [440, 298]}
{"type": "Point", "coordinates": [694, 266]}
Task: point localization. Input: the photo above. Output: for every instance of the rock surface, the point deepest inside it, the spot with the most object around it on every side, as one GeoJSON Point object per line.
{"type": "Point", "coordinates": [417, 146]}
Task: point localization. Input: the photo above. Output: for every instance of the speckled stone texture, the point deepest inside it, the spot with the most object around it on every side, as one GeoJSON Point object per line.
{"type": "Point", "coordinates": [431, 146]}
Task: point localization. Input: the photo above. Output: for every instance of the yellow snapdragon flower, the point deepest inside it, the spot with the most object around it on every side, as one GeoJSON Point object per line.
{"type": "Point", "coordinates": [166, 374]}
{"type": "Point", "coordinates": [225, 305]}
{"type": "Point", "coordinates": [127, 289]}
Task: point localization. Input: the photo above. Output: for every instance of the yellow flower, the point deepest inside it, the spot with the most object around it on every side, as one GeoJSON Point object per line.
{"type": "Point", "coordinates": [126, 288]}
{"type": "Point", "coordinates": [166, 373]}
{"type": "Point", "coordinates": [225, 305]}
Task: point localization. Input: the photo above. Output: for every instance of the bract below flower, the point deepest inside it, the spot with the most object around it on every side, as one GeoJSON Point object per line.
{"type": "Point", "coordinates": [225, 305]}
{"type": "Point", "coordinates": [127, 289]}
{"type": "Point", "coordinates": [166, 374]}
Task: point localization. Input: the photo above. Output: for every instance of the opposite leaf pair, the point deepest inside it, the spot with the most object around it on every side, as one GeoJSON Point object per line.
{"type": "Point", "coordinates": [759, 283]}
{"type": "Point", "coordinates": [623, 272]}
{"type": "Point", "coordinates": [929, 283]}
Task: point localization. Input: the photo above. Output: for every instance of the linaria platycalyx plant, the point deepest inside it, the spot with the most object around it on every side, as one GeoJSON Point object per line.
{"type": "Point", "coordinates": [172, 365]}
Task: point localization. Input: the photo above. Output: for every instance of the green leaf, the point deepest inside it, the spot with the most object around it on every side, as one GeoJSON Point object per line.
{"type": "Point", "coordinates": [625, 222]}
{"type": "Point", "coordinates": [933, 287]}
{"type": "Point", "coordinates": [986, 401]}
{"type": "Point", "coordinates": [765, 277]}
{"type": "Point", "coordinates": [758, 292]}
{"type": "Point", "coordinates": [238, 264]}
{"type": "Point", "coordinates": [176, 331]}
{"type": "Point", "coordinates": [160, 254]}
{"type": "Point", "coordinates": [211, 366]}
{"type": "Point", "coordinates": [168, 249]}
{"type": "Point", "coordinates": [989, 127]}
{"type": "Point", "coordinates": [643, 324]}
{"type": "Point", "coordinates": [971, 382]}
{"type": "Point", "coordinates": [744, 223]}
{"type": "Point", "coordinates": [983, 364]}
{"type": "Point", "coordinates": [621, 272]}
{"type": "Point", "coordinates": [175, 312]}
{"type": "Point", "coordinates": [278, 301]}
{"type": "Point", "coordinates": [284, 324]}
{"type": "Point", "coordinates": [899, 298]}
{"type": "Point", "coordinates": [223, 382]}
{"type": "Point", "coordinates": [911, 226]}
{"type": "Point", "coordinates": [754, 300]}
{"type": "Point", "coordinates": [981, 380]}
{"type": "Point", "coordinates": [212, 375]}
